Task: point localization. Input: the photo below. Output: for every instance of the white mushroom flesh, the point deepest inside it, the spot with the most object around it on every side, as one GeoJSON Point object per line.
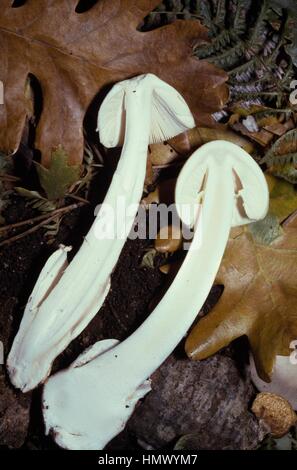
{"type": "Point", "coordinates": [144, 109]}
{"type": "Point", "coordinates": [85, 406]}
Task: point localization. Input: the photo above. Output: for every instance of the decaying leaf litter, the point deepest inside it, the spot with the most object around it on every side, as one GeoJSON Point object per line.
{"type": "Point", "coordinates": [254, 97]}
{"type": "Point", "coordinates": [57, 46]}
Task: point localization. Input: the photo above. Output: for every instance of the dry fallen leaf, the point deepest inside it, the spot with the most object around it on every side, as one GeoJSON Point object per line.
{"type": "Point", "coordinates": [262, 137]}
{"type": "Point", "coordinates": [283, 197]}
{"type": "Point", "coordinates": [258, 272]}
{"type": "Point", "coordinates": [76, 55]}
{"type": "Point", "coordinates": [280, 128]}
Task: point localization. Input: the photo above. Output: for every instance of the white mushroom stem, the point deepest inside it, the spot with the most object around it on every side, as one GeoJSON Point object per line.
{"type": "Point", "coordinates": [87, 405]}
{"type": "Point", "coordinates": [283, 380]}
{"type": "Point", "coordinates": [143, 109]}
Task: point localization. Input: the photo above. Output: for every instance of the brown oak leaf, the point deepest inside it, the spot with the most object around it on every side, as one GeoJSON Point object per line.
{"type": "Point", "coordinates": [258, 272]}
{"type": "Point", "coordinates": [76, 55]}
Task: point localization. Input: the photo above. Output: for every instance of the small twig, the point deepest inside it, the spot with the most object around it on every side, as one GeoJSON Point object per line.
{"type": "Point", "coordinates": [5, 176]}
{"type": "Point", "coordinates": [78, 198]}
{"type": "Point", "coordinates": [27, 232]}
{"type": "Point", "coordinates": [31, 221]}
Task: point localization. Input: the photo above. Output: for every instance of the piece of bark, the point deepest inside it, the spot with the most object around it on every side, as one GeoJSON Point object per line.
{"type": "Point", "coordinates": [206, 398]}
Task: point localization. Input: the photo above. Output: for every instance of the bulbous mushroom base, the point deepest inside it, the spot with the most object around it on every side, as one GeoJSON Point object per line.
{"type": "Point", "coordinates": [81, 411]}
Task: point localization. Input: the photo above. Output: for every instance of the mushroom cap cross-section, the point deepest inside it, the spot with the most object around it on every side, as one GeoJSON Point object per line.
{"type": "Point", "coordinates": [170, 114]}
{"type": "Point", "coordinates": [86, 405]}
{"type": "Point", "coordinates": [251, 197]}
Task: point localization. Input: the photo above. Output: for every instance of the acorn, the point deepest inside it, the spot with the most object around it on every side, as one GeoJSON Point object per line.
{"type": "Point", "coordinates": [169, 239]}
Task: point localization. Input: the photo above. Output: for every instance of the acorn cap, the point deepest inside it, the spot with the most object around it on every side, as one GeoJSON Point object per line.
{"type": "Point", "coordinates": [276, 412]}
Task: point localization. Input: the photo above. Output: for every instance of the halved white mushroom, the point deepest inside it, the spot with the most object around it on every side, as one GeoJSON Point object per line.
{"type": "Point", "coordinates": [86, 405]}
{"type": "Point", "coordinates": [283, 381]}
{"type": "Point", "coordinates": [143, 110]}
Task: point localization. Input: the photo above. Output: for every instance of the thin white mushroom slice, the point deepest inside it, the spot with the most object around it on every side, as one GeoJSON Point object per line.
{"type": "Point", "coordinates": [85, 407]}
{"type": "Point", "coordinates": [283, 380]}
{"type": "Point", "coordinates": [143, 109]}
{"type": "Point", "coordinates": [49, 277]}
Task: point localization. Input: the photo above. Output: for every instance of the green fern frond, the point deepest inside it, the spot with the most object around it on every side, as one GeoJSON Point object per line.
{"type": "Point", "coordinates": [287, 78]}
{"type": "Point", "coordinates": [255, 42]}
{"type": "Point", "coordinates": [257, 34]}
{"type": "Point", "coordinates": [42, 205]}
{"type": "Point", "coordinates": [287, 141]}
{"type": "Point", "coordinates": [203, 9]}
{"type": "Point", "coordinates": [52, 229]}
{"type": "Point", "coordinates": [224, 39]}
{"type": "Point", "coordinates": [220, 15]}
{"type": "Point", "coordinates": [246, 68]}
{"type": "Point", "coordinates": [229, 57]}
{"type": "Point", "coordinates": [283, 159]}
{"type": "Point", "coordinates": [287, 172]}
{"type": "Point", "coordinates": [240, 23]}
